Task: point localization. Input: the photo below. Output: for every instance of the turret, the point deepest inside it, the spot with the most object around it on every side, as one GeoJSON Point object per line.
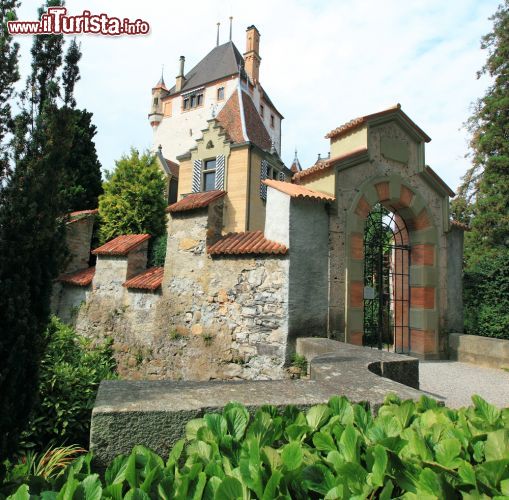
{"type": "Point", "coordinates": [181, 79]}
{"type": "Point", "coordinates": [156, 110]}
{"type": "Point", "coordinates": [252, 56]}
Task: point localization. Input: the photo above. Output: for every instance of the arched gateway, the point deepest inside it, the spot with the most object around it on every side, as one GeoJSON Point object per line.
{"type": "Point", "coordinates": [390, 237]}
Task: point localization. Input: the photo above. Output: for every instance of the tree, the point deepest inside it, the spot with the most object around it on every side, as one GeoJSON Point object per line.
{"type": "Point", "coordinates": [9, 75]}
{"type": "Point", "coordinates": [133, 201]}
{"type": "Point", "coordinates": [484, 195]}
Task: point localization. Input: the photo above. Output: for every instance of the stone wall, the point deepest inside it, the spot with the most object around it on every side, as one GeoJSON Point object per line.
{"type": "Point", "coordinates": [483, 351]}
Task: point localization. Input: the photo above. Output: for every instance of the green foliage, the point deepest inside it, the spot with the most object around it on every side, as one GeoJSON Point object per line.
{"type": "Point", "coordinates": [484, 195]}
{"type": "Point", "coordinates": [300, 362]}
{"type": "Point", "coordinates": [409, 450]}
{"type": "Point", "coordinates": [157, 251]}
{"type": "Point", "coordinates": [486, 295]}
{"type": "Point", "coordinates": [70, 372]}
{"type": "Point", "coordinates": [133, 201]}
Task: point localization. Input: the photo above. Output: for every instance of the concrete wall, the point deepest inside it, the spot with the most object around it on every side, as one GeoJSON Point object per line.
{"type": "Point", "coordinates": [455, 280]}
{"type": "Point", "coordinates": [484, 351]}
{"type": "Point", "coordinates": [309, 269]}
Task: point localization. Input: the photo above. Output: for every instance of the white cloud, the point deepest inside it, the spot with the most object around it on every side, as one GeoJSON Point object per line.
{"type": "Point", "coordinates": [323, 63]}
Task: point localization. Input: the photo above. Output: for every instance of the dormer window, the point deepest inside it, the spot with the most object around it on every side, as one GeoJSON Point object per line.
{"type": "Point", "coordinates": [220, 93]}
{"type": "Point", "coordinates": [191, 101]}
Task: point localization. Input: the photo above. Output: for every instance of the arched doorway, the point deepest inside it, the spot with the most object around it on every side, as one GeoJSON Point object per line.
{"type": "Point", "coordinates": [386, 290]}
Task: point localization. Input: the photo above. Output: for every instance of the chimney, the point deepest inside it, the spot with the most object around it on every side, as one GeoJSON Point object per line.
{"type": "Point", "coordinates": [180, 78]}
{"type": "Point", "coordinates": [251, 56]}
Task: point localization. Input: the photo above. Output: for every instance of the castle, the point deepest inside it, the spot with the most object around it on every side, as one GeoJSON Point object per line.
{"type": "Point", "coordinates": [359, 247]}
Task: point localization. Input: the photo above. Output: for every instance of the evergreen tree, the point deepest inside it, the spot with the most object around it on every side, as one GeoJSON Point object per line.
{"type": "Point", "coordinates": [133, 201]}
{"type": "Point", "coordinates": [484, 195]}
{"type": "Point", "coordinates": [9, 75]}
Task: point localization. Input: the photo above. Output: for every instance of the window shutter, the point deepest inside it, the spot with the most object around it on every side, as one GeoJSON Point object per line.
{"type": "Point", "coordinates": [219, 183]}
{"type": "Point", "coordinates": [263, 176]}
{"type": "Point", "coordinates": [197, 176]}
{"type": "Point", "coordinates": [281, 176]}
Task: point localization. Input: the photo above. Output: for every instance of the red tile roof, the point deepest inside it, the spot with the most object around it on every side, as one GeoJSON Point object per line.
{"type": "Point", "coordinates": [84, 212]}
{"type": "Point", "coordinates": [174, 168]}
{"type": "Point", "coordinates": [460, 225]}
{"type": "Point", "coordinates": [195, 200]}
{"type": "Point", "coordinates": [150, 279]}
{"type": "Point", "coordinates": [321, 165]}
{"type": "Point", "coordinates": [357, 122]}
{"type": "Point", "coordinates": [121, 245]}
{"type": "Point", "coordinates": [83, 277]}
{"type": "Point", "coordinates": [296, 191]}
{"type": "Point", "coordinates": [249, 242]}
{"type": "Point", "coordinates": [230, 118]}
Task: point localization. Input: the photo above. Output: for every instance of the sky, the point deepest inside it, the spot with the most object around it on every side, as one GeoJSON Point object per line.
{"type": "Point", "coordinates": [324, 62]}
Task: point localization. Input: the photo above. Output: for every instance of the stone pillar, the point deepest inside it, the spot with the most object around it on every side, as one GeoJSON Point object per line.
{"type": "Point", "coordinates": [454, 315]}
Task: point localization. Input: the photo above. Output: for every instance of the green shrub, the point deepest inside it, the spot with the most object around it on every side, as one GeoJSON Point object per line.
{"type": "Point", "coordinates": [70, 373]}
{"type": "Point", "coordinates": [157, 251]}
{"type": "Point", "coordinates": [486, 295]}
{"type": "Point", "coordinates": [337, 450]}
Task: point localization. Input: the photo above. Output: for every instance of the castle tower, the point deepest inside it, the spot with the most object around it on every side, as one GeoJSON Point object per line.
{"type": "Point", "coordinates": [156, 109]}
{"type": "Point", "coordinates": [252, 57]}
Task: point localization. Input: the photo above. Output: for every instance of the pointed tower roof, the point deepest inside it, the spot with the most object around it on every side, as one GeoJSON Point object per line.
{"type": "Point", "coordinates": [296, 166]}
{"type": "Point", "coordinates": [160, 84]}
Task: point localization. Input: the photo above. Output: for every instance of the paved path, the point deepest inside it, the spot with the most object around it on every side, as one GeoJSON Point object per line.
{"type": "Point", "coordinates": [457, 382]}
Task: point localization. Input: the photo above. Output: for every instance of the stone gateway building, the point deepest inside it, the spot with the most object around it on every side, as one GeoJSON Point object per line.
{"type": "Point", "coordinates": [359, 247]}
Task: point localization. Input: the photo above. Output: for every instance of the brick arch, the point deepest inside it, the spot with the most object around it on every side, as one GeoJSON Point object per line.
{"type": "Point", "coordinates": [403, 200]}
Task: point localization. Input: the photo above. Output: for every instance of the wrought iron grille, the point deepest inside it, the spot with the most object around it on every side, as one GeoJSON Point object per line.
{"type": "Point", "coordinates": [386, 281]}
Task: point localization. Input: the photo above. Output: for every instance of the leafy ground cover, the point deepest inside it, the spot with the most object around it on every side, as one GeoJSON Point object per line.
{"type": "Point", "coordinates": [409, 450]}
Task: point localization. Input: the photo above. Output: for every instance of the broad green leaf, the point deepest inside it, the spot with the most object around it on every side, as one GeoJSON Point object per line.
{"type": "Point", "coordinates": [478, 448]}
{"type": "Point", "coordinates": [237, 418]}
{"type": "Point", "coordinates": [318, 478]}
{"type": "Point", "coordinates": [317, 416]}
{"type": "Point", "coordinates": [386, 493]}
{"type": "Point", "coordinates": [467, 474]}
{"type": "Point", "coordinates": [130, 471]}
{"type": "Point", "coordinates": [51, 495]}
{"type": "Point", "coordinates": [70, 485]}
{"type": "Point", "coordinates": [211, 489]}
{"type": "Point", "coordinates": [200, 449]}
{"type": "Point", "coordinates": [356, 477]}
{"type": "Point", "coordinates": [491, 473]}
{"type": "Point", "coordinates": [335, 493]}
{"type": "Point", "coordinates": [497, 445]}
{"type": "Point", "coordinates": [271, 487]}
{"type": "Point", "coordinates": [229, 489]}
{"type": "Point", "coordinates": [90, 488]}
{"type": "Point", "coordinates": [115, 473]}
{"type": "Point", "coordinates": [271, 457]}
{"type": "Point", "coordinates": [362, 418]}
{"type": "Point", "coordinates": [447, 453]}
{"type": "Point", "coordinates": [341, 407]}
{"type": "Point", "coordinates": [429, 483]}
{"type": "Point", "coordinates": [389, 425]}
{"type": "Point", "coordinates": [335, 459]}
{"type": "Point", "coordinates": [292, 455]}
{"type": "Point", "coordinates": [485, 410]}
{"type": "Point", "coordinates": [21, 493]}
{"type": "Point", "coordinates": [175, 452]}
{"type": "Point", "coordinates": [192, 428]}
{"type": "Point", "coordinates": [136, 494]}
{"type": "Point", "coordinates": [297, 432]}
{"type": "Point", "coordinates": [200, 486]}
{"type": "Point", "coordinates": [323, 441]}
{"type": "Point", "coordinates": [113, 491]}
{"type": "Point", "coordinates": [217, 424]}
{"type": "Point", "coordinates": [504, 487]}
{"type": "Point", "coordinates": [379, 466]}
{"type": "Point", "coordinates": [348, 444]}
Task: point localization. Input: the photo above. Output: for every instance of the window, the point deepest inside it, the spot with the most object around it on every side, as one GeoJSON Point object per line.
{"type": "Point", "coordinates": [272, 121]}
{"type": "Point", "coordinates": [262, 110]}
{"type": "Point", "coordinates": [220, 93]}
{"type": "Point", "coordinates": [209, 175]}
{"type": "Point", "coordinates": [156, 101]}
{"type": "Point", "coordinates": [167, 108]}
{"type": "Point", "coordinates": [192, 101]}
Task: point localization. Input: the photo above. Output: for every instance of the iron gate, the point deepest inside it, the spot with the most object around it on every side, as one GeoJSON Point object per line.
{"type": "Point", "coordinates": [386, 281]}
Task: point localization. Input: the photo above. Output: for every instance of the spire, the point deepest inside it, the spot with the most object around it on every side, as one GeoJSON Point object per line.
{"type": "Point", "coordinates": [160, 84]}
{"type": "Point", "coordinates": [296, 166]}
{"type": "Point", "coordinates": [217, 40]}
{"type": "Point", "coordinates": [231, 22]}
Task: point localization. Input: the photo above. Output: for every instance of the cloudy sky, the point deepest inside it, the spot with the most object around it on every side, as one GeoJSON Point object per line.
{"type": "Point", "coordinates": [324, 62]}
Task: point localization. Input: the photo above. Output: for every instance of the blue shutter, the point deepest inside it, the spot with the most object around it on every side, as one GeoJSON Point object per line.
{"type": "Point", "coordinates": [197, 176]}
{"type": "Point", "coordinates": [219, 183]}
{"type": "Point", "coordinates": [263, 176]}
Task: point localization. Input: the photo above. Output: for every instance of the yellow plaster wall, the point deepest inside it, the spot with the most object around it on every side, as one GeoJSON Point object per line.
{"type": "Point", "coordinates": [185, 178]}
{"type": "Point", "coordinates": [325, 183]}
{"type": "Point", "coordinates": [236, 185]}
{"type": "Point", "coordinates": [256, 204]}
{"type": "Point", "coordinates": [354, 140]}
